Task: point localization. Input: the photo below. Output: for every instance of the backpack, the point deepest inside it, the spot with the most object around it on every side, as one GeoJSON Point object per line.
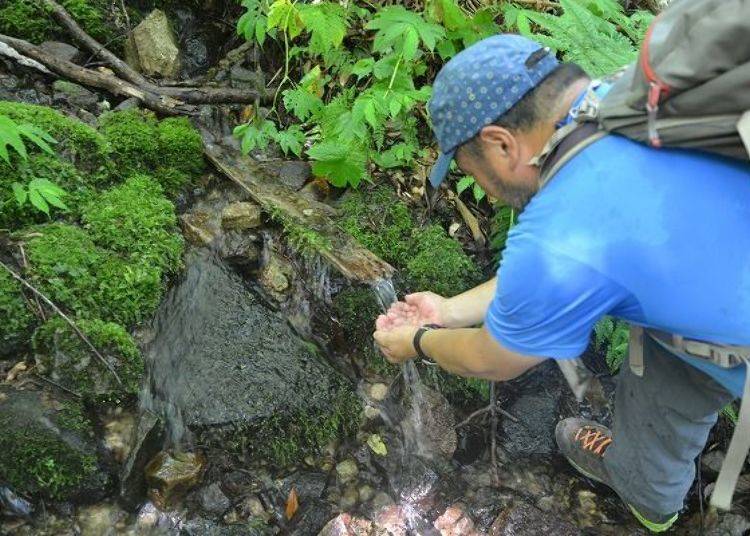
{"type": "Point", "coordinates": [689, 88]}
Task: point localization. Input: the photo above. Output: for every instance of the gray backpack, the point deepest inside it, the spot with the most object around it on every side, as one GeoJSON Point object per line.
{"type": "Point", "coordinates": [690, 88]}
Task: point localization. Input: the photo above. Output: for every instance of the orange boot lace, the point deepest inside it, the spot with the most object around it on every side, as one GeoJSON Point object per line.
{"type": "Point", "coordinates": [593, 440]}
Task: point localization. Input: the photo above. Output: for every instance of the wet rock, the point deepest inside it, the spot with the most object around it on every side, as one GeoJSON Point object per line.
{"type": "Point", "coordinates": [242, 77]}
{"type": "Point", "coordinates": [729, 525]}
{"type": "Point", "coordinates": [240, 249]}
{"type": "Point", "coordinates": [347, 470]}
{"type": "Point", "coordinates": [13, 505]}
{"type": "Point", "coordinates": [394, 520]}
{"type": "Point", "coordinates": [347, 525]}
{"type": "Point", "coordinates": [74, 95]}
{"type": "Point", "coordinates": [145, 443]}
{"type": "Point", "coordinates": [118, 432]}
{"type": "Point", "coordinates": [371, 413]}
{"type": "Point", "coordinates": [438, 426]}
{"type": "Point", "coordinates": [349, 498]}
{"type": "Point", "coordinates": [240, 216]}
{"type": "Point", "coordinates": [212, 500]}
{"type": "Point", "coordinates": [526, 520]}
{"type": "Point", "coordinates": [100, 520]}
{"type": "Point", "coordinates": [311, 518]}
{"type": "Point", "coordinates": [152, 47]}
{"type": "Point", "coordinates": [252, 507]}
{"type": "Point", "coordinates": [292, 173]}
{"type": "Point", "coordinates": [171, 475]}
{"type": "Point", "coordinates": [152, 520]}
{"type": "Point", "coordinates": [382, 500]}
{"type": "Point", "coordinates": [63, 51]}
{"type": "Point", "coordinates": [197, 228]}
{"type": "Point", "coordinates": [274, 277]}
{"type": "Point", "coordinates": [46, 438]}
{"type": "Point", "coordinates": [128, 104]}
{"type": "Point", "coordinates": [455, 522]}
{"type": "Point", "coordinates": [366, 493]}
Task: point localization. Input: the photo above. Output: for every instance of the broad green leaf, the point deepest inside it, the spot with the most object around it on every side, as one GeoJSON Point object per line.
{"type": "Point", "coordinates": [326, 23]}
{"type": "Point", "coordinates": [301, 103]}
{"type": "Point", "coordinates": [37, 136]}
{"type": "Point", "coordinates": [393, 23]}
{"type": "Point", "coordinates": [258, 134]}
{"type": "Point", "coordinates": [341, 164]}
{"type": "Point", "coordinates": [20, 192]}
{"type": "Point", "coordinates": [285, 16]}
{"type": "Point", "coordinates": [45, 186]}
{"type": "Point", "coordinates": [291, 139]}
{"type": "Point", "coordinates": [38, 201]}
{"type": "Point", "coordinates": [410, 44]}
{"type": "Point", "coordinates": [478, 192]}
{"type": "Point", "coordinates": [10, 136]}
{"type": "Point", "coordinates": [54, 200]}
{"type": "Point", "coordinates": [363, 67]}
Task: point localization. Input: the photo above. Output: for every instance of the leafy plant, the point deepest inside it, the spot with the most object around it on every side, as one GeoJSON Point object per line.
{"type": "Point", "coordinates": [41, 193]}
{"type": "Point", "coordinates": [468, 181]}
{"type": "Point", "coordinates": [611, 337]}
{"type": "Point", "coordinates": [12, 134]}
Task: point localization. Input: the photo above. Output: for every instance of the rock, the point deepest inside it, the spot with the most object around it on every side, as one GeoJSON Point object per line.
{"type": "Point", "coordinates": [395, 520]}
{"type": "Point", "coordinates": [241, 216]}
{"type": "Point", "coordinates": [438, 434]}
{"type": "Point", "coordinates": [526, 520]}
{"type": "Point", "coordinates": [349, 498]}
{"type": "Point", "coordinates": [311, 517]}
{"type": "Point", "coordinates": [378, 391]}
{"type": "Point", "coordinates": [48, 439]}
{"type": "Point", "coordinates": [242, 77]}
{"type": "Point", "coordinates": [63, 51]}
{"type": "Point", "coordinates": [274, 277]}
{"type": "Point", "coordinates": [455, 522]}
{"type": "Point", "coordinates": [382, 500]}
{"type": "Point", "coordinates": [74, 95]}
{"type": "Point", "coordinates": [347, 525]}
{"type": "Point", "coordinates": [13, 505]}
{"type": "Point", "coordinates": [213, 501]}
{"type": "Point", "coordinates": [729, 525]}
{"type": "Point", "coordinates": [371, 413]}
{"type": "Point", "coordinates": [347, 470]}
{"type": "Point", "coordinates": [366, 493]}
{"type": "Point", "coordinates": [128, 104]}
{"type": "Point", "coordinates": [292, 173]}
{"type": "Point", "coordinates": [100, 520]}
{"type": "Point", "coordinates": [151, 520]}
{"type": "Point", "coordinates": [171, 475]}
{"type": "Point", "coordinates": [252, 507]}
{"type": "Point", "coordinates": [240, 249]}
{"type": "Point", "coordinates": [197, 228]}
{"type": "Point", "coordinates": [145, 443]}
{"type": "Point", "coordinates": [152, 47]}
{"type": "Point", "coordinates": [118, 431]}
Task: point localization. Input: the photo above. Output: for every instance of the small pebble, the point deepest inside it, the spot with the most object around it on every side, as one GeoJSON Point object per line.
{"type": "Point", "coordinates": [371, 413]}
{"type": "Point", "coordinates": [378, 391]}
{"type": "Point", "coordinates": [347, 470]}
{"type": "Point", "coordinates": [366, 493]}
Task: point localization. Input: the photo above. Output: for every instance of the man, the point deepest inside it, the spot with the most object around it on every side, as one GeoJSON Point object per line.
{"type": "Point", "coordinates": [658, 237]}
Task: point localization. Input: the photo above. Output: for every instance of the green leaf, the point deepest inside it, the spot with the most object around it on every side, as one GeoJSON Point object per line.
{"type": "Point", "coordinates": [37, 136]}
{"type": "Point", "coordinates": [10, 136]}
{"type": "Point", "coordinates": [285, 16]}
{"type": "Point", "coordinates": [478, 192]}
{"type": "Point", "coordinates": [326, 23]}
{"type": "Point", "coordinates": [363, 67]}
{"type": "Point", "coordinates": [291, 139]}
{"type": "Point", "coordinates": [464, 183]}
{"type": "Point", "coordinates": [301, 103]}
{"type": "Point", "coordinates": [341, 164]}
{"type": "Point", "coordinates": [20, 192]}
{"type": "Point", "coordinates": [45, 186]}
{"type": "Point", "coordinates": [396, 27]}
{"type": "Point", "coordinates": [256, 134]}
{"type": "Point", "coordinates": [38, 201]}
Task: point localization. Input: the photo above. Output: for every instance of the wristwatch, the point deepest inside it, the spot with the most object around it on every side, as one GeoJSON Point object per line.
{"type": "Point", "coordinates": [417, 342]}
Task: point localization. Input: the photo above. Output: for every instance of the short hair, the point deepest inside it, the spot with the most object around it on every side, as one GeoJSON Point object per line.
{"type": "Point", "coordinates": [539, 104]}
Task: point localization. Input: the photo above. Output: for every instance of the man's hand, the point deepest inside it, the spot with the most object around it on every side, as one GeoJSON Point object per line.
{"type": "Point", "coordinates": [418, 310]}
{"type": "Point", "coordinates": [397, 343]}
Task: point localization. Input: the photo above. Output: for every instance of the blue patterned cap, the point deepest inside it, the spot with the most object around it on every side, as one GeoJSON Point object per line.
{"type": "Point", "coordinates": [480, 84]}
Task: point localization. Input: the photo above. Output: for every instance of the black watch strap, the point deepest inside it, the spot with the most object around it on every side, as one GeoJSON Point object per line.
{"type": "Point", "coordinates": [418, 338]}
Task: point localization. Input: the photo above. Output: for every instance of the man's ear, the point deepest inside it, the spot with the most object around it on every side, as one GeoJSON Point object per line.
{"type": "Point", "coordinates": [496, 137]}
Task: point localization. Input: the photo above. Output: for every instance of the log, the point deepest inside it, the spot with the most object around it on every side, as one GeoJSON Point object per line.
{"type": "Point", "coordinates": [343, 252]}
{"type": "Point", "coordinates": [102, 80]}
{"type": "Point", "coordinates": [191, 95]}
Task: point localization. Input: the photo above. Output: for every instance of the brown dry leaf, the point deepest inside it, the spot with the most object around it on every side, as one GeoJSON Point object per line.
{"type": "Point", "coordinates": [248, 112]}
{"type": "Point", "coordinates": [292, 504]}
{"type": "Point", "coordinates": [15, 371]}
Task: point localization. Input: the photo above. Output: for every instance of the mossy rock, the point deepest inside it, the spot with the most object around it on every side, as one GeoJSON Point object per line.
{"type": "Point", "coordinates": [47, 447]}
{"type": "Point", "coordinates": [78, 142]}
{"type": "Point", "coordinates": [18, 321]}
{"type": "Point", "coordinates": [73, 272]}
{"type": "Point", "coordinates": [135, 220]}
{"type": "Point", "coordinates": [79, 187]}
{"type": "Point", "coordinates": [180, 145]}
{"type": "Point", "coordinates": [63, 357]}
{"type": "Point", "coordinates": [28, 20]}
{"type": "Point", "coordinates": [133, 137]}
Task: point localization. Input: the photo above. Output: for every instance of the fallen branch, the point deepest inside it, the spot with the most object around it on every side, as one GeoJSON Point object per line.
{"type": "Point", "coordinates": [482, 411]}
{"type": "Point", "coordinates": [64, 317]}
{"type": "Point", "coordinates": [88, 77]}
{"type": "Point", "coordinates": [191, 95]}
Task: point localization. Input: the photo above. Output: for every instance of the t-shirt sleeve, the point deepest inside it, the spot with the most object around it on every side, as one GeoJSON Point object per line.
{"type": "Point", "coordinates": [546, 303]}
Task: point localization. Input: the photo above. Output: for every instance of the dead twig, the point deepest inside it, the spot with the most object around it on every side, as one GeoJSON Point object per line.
{"type": "Point", "coordinates": [482, 411]}
{"type": "Point", "coordinates": [493, 431]}
{"type": "Point", "coordinates": [65, 317]}
{"type": "Point", "coordinates": [62, 387]}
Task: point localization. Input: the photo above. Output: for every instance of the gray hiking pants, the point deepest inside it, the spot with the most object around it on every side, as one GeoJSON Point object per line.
{"type": "Point", "coordinates": [661, 424]}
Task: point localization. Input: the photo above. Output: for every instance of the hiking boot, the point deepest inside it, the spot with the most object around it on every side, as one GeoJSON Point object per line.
{"type": "Point", "coordinates": [584, 443]}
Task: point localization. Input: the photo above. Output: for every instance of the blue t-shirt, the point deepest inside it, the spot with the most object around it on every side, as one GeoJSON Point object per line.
{"type": "Point", "coordinates": [657, 237]}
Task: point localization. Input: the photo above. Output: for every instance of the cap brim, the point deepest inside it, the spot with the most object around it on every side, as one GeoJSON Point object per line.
{"type": "Point", "coordinates": [441, 167]}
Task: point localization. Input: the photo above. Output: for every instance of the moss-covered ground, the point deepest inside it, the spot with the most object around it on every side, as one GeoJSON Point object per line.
{"type": "Point", "coordinates": [426, 259]}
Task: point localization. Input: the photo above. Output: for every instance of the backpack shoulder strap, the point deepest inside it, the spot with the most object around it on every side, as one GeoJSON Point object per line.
{"type": "Point", "coordinates": [567, 142]}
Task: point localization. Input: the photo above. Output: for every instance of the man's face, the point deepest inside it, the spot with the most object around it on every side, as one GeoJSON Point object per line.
{"type": "Point", "coordinates": [499, 163]}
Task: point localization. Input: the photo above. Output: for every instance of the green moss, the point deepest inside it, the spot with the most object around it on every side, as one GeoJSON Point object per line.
{"type": "Point", "coordinates": [78, 186]}
{"type": "Point", "coordinates": [91, 282]}
{"type": "Point", "coordinates": [172, 180]}
{"type": "Point", "coordinates": [380, 222]}
{"type": "Point", "coordinates": [464, 392]}
{"type": "Point", "coordinates": [27, 19]}
{"type": "Point", "coordinates": [35, 459]}
{"type": "Point", "coordinates": [78, 142]}
{"type": "Point", "coordinates": [65, 358]}
{"type": "Point", "coordinates": [283, 441]}
{"type": "Point", "coordinates": [438, 263]}
{"type": "Point", "coordinates": [17, 318]}
{"type": "Point", "coordinates": [135, 220]}
{"type": "Point", "coordinates": [180, 146]}
{"type": "Point", "coordinates": [133, 136]}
